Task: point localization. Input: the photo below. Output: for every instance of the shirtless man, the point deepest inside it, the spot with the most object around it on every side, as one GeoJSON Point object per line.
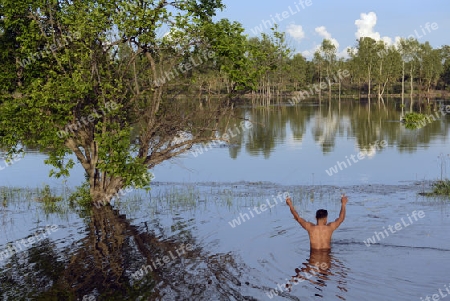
{"type": "Point", "coordinates": [320, 234]}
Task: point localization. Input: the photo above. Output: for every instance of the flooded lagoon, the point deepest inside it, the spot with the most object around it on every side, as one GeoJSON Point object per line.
{"type": "Point", "coordinates": [197, 236]}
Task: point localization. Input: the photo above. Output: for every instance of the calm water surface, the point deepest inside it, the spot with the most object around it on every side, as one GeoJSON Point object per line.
{"type": "Point", "coordinates": [185, 230]}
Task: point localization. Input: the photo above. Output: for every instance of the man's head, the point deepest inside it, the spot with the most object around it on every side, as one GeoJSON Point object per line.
{"type": "Point", "coordinates": [321, 214]}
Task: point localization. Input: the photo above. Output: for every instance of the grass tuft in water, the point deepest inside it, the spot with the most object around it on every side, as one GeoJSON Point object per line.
{"type": "Point", "coordinates": [50, 202]}
{"type": "Point", "coordinates": [441, 187]}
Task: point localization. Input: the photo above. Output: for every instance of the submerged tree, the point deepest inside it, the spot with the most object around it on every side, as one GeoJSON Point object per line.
{"type": "Point", "coordinates": [430, 66]}
{"type": "Point", "coordinates": [91, 78]}
{"type": "Point", "coordinates": [368, 58]}
{"type": "Point", "coordinates": [327, 51]}
{"type": "Point", "coordinates": [409, 50]}
{"type": "Point", "coordinates": [389, 67]}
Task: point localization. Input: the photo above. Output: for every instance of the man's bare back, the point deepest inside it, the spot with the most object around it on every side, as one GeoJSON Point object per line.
{"type": "Point", "coordinates": [320, 234]}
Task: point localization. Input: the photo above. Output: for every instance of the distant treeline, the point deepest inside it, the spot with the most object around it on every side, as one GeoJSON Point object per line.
{"type": "Point", "coordinates": [266, 69]}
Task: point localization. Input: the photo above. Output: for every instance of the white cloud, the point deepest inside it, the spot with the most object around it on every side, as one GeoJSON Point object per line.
{"type": "Point", "coordinates": [365, 28]}
{"type": "Point", "coordinates": [322, 31]}
{"type": "Point", "coordinates": [308, 53]}
{"type": "Point", "coordinates": [295, 31]}
{"type": "Point", "coordinates": [344, 53]}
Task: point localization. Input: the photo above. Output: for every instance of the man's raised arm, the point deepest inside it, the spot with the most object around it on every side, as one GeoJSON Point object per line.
{"type": "Point", "coordinates": [306, 225]}
{"type": "Point", "coordinates": [341, 217]}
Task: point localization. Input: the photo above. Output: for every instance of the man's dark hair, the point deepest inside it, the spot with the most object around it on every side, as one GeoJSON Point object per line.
{"type": "Point", "coordinates": [321, 213]}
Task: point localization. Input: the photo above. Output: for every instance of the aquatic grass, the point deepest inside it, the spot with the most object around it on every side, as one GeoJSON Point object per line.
{"type": "Point", "coordinates": [36, 200]}
{"type": "Point", "coordinates": [51, 203]}
{"type": "Point", "coordinates": [325, 197]}
{"type": "Point", "coordinates": [441, 187]}
{"type": "Point", "coordinates": [13, 195]}
{"type": "Point", "coordinates": [12, 199]}
{"type": "Point", "coordinates": [192, 197]}
{"type": "Point", "coordinates": [176, 198]}
{"type": "Point", "coordinates": [169, 200]}
{"type": "Point", "coordinates": [226, 198]}
{"type": "Point", "coordinates": [180, 198]}
{"type": "Point", "coordinates": [133, 203]}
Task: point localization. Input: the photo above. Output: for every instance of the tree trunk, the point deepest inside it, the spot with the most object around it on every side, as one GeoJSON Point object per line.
{"type": "Point", "coordinates": [403, 83]}
{"type": "Point", "coordinates": [359, 88]}
{"type": "Point", "coordinates": [339, 89]}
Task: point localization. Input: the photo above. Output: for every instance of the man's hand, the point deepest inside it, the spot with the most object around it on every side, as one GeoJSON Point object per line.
{"type": "Point", "coordinates": [334, 225]}
{"type": "Point", "coordinates": [306, 225]}
{"type": "Point", "coordinates": [344, 200]}
{"type": "Point", "coordinates": [289, 201]}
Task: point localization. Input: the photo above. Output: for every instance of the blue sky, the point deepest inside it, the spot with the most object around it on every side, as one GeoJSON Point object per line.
{"type": "Point", "coordinates": [309, 22]}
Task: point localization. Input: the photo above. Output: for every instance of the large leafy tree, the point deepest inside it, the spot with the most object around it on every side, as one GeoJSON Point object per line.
{"type": "Point", "coordinates": [91, 78]}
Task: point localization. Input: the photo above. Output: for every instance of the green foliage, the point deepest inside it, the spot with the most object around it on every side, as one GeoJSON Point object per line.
{"type": "Point", "coordinates": [46, 196]}
{"type": "Point", "coordinates": [413, 120]}
{"type": "Point", "coordinates": [66, 63]}
{"type": "Point", "coordinates": [50, 202]}
{"type": "Point", "coordinates": [232, 53]}
{"type": "Point", "coordinates": [430, 66]}
{"type": "Point", "coordinates": [441, 187]}
{"type": "Point", "coordinates": [81, 196]}
{"type": "Point", "coordinates": [328, 54]}
{"type": "Point", "coordinates": [297, 72]}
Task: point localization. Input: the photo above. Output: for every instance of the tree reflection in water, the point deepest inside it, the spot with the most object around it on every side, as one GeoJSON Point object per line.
{"type": "Point", "coordinates": [102, 264]}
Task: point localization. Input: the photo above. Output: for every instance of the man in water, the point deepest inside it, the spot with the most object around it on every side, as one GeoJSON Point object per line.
{"type": "Point", "coordinates": [320, 234]}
